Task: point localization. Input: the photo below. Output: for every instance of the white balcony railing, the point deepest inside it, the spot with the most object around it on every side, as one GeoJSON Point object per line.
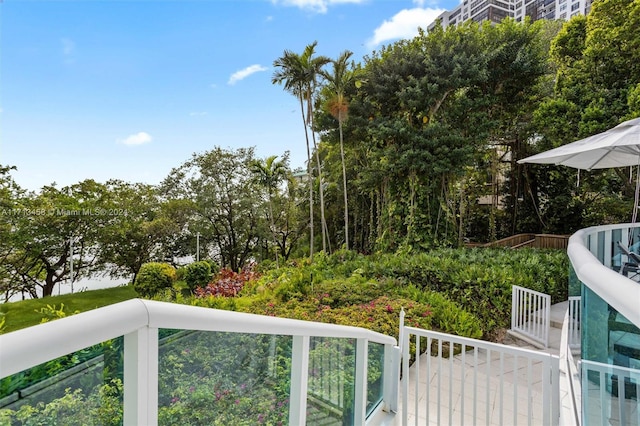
{"type": "Point", "coordinates": [139, 321]}
{"type": "Point", "coordinates": [593, 252]}
{"type": "Point", "coordinates": [609, 374]}
{"type": "Point", "coordinates": [531, 314]}
{"type": "Point", "coordinates": [457, 380]}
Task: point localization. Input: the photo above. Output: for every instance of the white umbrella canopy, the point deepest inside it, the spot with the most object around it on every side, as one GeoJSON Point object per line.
{"type": "Point", "coordinates": [616, 147]}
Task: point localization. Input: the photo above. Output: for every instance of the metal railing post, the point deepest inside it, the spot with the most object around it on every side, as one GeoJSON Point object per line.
{"type": "Point", "coordinates": [141, 377]}
{"type": "Point", "coordinates": [299, 380]}
{"type": "Point", "coordinates": [392, 358]}
{"type": "Point", "coordinates": [360, 400]}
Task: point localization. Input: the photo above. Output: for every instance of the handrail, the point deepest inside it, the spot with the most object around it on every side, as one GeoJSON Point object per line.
{"type": "Point", "coordinates": [32, 346]}
{"type": "Point", "coordinates": [480, 368]}
{"type": "Point", "coordinates": [570, 412]}
{"type": "Point", "coordinates": [617, 290]}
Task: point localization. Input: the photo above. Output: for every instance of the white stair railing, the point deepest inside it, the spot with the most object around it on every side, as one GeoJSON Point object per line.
{"type": "Point", "coordinates": [531, 314]}
{"type": "Point", "coordinates": [457, 380]}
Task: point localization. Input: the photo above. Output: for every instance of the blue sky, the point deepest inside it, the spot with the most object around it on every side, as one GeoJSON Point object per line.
{"type": "Point", "coordinates": [130, 89]}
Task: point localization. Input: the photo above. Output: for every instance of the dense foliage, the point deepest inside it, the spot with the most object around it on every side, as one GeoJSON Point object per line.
{"type": "Point", "coordinates": [460, 291]}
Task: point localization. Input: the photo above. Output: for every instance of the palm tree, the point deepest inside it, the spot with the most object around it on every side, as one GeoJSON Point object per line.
{"type": "Point", "coordinates": [299, 74]}
{"type": "Point", "coordinates": [337, 81]}
{"type": "Point", "coordinates": [313, 68]}
{"type": "Point", "coordinates": [269, 174]}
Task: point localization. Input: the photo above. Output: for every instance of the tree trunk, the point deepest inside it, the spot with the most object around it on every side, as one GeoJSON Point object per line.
{"type": "Point", "coordinates": [273, 230]}
{"type": "Point", "coordinates": [344, 184]}
{"type": "Point", "coordinates": [321, 190]}
{"type": "Point", "coordinates": [310, 178]}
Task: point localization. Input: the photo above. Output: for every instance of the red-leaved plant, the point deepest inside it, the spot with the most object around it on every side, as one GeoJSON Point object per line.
{"type": "Point", "coordinates": [227, 283]}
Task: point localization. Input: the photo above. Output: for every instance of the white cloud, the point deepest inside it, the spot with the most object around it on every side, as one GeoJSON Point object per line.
{"type": "Point", "coordinates": [318, 6]}
{"type": "Point", "coordinates": [136, 139]}
{"type": "Point", "coordinates": [244, 73]}
{"type": "Point", "coordinates": [404, 24]}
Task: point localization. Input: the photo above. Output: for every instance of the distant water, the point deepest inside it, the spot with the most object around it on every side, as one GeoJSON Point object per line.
{"type": "Point", "coordinates": [78, 286]}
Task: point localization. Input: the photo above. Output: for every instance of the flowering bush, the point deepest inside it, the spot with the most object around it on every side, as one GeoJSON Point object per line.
{"type": "Point", "coordinates": [227, 283]}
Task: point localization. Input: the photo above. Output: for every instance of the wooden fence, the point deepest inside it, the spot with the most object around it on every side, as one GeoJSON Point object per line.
{"type": "Point", "coordinates": [548, 241]}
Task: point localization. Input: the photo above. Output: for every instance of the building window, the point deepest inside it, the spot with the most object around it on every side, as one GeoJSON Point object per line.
{"type": "Point", "coordinates": [563, 15]}
{"type": "Point", "coordinates": [575, 6]}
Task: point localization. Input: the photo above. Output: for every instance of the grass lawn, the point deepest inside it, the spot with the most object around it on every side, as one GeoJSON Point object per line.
{"type": "Point", "coordinates": [27, 313]}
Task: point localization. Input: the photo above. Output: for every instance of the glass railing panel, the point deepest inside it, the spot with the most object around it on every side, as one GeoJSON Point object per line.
{"type": "Point", "coordinates": [375, 376]}
{"type": "Point", "coordinates": [594, 317]}
{"type": "Point", "coordinates": [610, 394]}
{"type": "Point", "coordinates": [608, 337]}
{"type": "Point", "coordinates": [218, 378]}
{"type": "Point", "coordinates": [634, 239]}
{"type": "Point", "coordinates": [81, 388]}
{"type": "Point", "coordinates": [574, 282]}
{"type": "Point", "coordinates": [331, 385]}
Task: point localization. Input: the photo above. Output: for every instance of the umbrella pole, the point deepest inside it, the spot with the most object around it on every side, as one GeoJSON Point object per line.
{"type": "Point", "coordinates": [636, 199]}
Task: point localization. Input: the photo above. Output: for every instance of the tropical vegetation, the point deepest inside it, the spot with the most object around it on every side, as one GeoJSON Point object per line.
{"type": "Point", "coordinates": [415, 147]}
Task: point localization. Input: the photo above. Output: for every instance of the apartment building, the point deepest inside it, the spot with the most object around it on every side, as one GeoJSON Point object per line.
{"type": "Point", "coordinates": [497, 10]}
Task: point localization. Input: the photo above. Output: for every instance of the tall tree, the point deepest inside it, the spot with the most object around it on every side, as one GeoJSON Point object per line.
{"type": "Point", "coordinates": [225, 201]}
{"type": "Point", "coordinates": [422, 128]}
{"type": "Point", "coordinates": [270, 174]}
{"type": "Point", "coordinates": [10, 210]}
{"type": "Point", "coordinates": [340, 77]}
{"type": "Point", "coordinates": [290, 72]}
{"type": "Point", "coordinates": [52, 229]}
{"type": "Point", "coordinates": [142, 228]}
{"type": "Point", "coordinates": [313, 67]}
{"type": "Point", "coordinates": [598, 69]}
{"type": "Point", "coordinates": [299, 74]}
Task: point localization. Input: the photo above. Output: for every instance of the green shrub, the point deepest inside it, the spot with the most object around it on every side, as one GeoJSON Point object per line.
{"type": "Point", "coordinates": [154, 277]}
{"type": "Point", "coordinates": [181, 272]}
{"type": "Point", "coordinates": [197, 274]}
{"type": "Point", "coordinates": [213, 266]}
